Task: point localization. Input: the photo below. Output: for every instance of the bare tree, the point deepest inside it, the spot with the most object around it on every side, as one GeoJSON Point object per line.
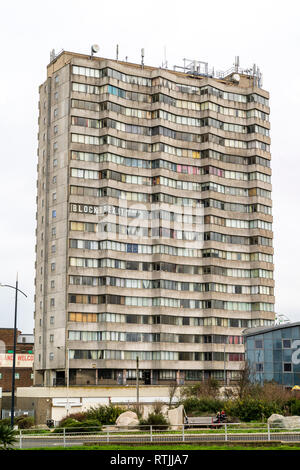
{"type": "Point", "coordinates": [158, 407]}
{"type": "Point", "coordinates": [206, 389]}
{"type": "Point", "coordinates": [245, 385]}
{"type": "Point", "coordinates": [172, 391]}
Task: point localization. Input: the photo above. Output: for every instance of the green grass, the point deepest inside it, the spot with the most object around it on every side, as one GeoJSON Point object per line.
{"type": "Point", "coordinates": [180, 447]}
{"type": "Point", "coordinates": [221, 430]}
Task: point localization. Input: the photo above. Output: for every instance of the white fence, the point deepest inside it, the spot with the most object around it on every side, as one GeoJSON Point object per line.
{"type": "Point", "coordinates": [220, 433]}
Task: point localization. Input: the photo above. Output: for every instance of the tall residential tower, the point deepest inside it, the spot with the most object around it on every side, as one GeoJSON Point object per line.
{"type": "Point", "coordinates": [154, 221]}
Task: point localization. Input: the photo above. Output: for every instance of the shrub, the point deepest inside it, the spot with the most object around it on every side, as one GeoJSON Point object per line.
{"type": "Point", "coordinates": [249, 410]}
{"type": "Point", "coordinates": [89, 425]}
{"type": "Point", "coordinates": [295, 407]}
{"type": "Point", "coordinates": [156, 420]}
{"type": "Point", "coordinates": [199, 406]}
{"type": "Point", "coordinates": [206, 389]}
{"type": "Point", "coordinates": [72, 425]}
{"type": "Point", "coordinates": [5, 421]}
{"type": "Point", "coordinates": [105, 414]}
{"type": "Point", "coordinates": [68, 422]}
{"type": "Point", "coordinates": [80, 416]}
{"type": "Point", "coordinates": [252, 409]}
{"type": "Point", "coordinates": [158, 406]}
{"type": "Point", "coordinates": [24, 422]}
{"type": "Point", "coordinates": [139, 410]}
{"type": "Point", "coordinates": [7, 436]}
{"type": "Point", "coordinates": [73, 417]}
{"type": "Point", "coordinates": [254, 402]}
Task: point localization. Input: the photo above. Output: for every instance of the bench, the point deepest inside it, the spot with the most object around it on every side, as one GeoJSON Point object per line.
{"type": "Point", "coordinates": [199, 420]}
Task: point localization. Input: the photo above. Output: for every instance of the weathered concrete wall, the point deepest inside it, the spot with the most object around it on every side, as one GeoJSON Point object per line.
{"type": "Point", "coordinates": [51, 402]}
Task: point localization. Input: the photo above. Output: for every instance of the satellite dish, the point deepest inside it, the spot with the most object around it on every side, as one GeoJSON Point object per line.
{"type": "Point", "coordinates": [94, 48]}
{"type": "Point", "coordinates": [236, 77]}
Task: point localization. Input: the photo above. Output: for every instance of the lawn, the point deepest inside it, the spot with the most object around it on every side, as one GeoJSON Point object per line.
{"type": "Point", "coordinates": [179, 447]}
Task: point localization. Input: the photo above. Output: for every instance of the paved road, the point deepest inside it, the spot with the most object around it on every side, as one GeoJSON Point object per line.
{"type": "Point", "coordinates": [29, 442]}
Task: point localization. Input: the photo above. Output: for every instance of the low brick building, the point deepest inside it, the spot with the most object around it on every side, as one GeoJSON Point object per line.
{"type": "Point", "coordinates": [24, 359]}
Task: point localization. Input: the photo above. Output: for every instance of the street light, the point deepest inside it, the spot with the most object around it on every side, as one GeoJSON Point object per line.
{"type": "Point", "coordinates": [137, 385]}
{"type": "Point", "coordinates": [225, 381]}
{"type": "Point", "coordinates": [12, 412]}
{"type": "Point", "coordinates": [68, 368]}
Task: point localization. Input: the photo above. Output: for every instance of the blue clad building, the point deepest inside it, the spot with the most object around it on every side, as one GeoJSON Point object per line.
{"type": "Point", "coordinates": [274, 353]}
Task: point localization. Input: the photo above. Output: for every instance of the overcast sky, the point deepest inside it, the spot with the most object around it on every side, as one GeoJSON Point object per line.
{"type": "Point", "coordinates": [263, 32]}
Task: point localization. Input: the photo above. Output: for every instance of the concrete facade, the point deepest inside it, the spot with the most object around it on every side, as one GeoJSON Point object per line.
{"type": "Point", "coordinates": [176, 282]}
{"type": "Point", "coordinates": [52, 402]}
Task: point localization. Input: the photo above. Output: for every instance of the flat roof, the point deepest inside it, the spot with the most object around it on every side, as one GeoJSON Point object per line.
{"type": "Point", "coordinates": [267, 329]}
{"type": "Point", "coordinates": [64, 57]}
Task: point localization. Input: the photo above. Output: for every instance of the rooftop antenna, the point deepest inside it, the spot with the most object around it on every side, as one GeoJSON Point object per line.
{"type": "Point", "coordinates": [117, 52]}
{"type": "Point", "coordinates": [143, 55]}
{"type": "Point", "coordinates": [254, 75]}
{"type": "Point", "coordinates": [52, 55]}
{"type": "Point", "coordinates": [94, 49]}
{"type": "Point", "coordinates": [237, 63]}
{"type": "Point", "coordinates": [165, 63]}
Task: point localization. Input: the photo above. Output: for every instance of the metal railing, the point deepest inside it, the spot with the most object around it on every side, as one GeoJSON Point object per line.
{"type": "Point", "coordinates": [142, 434]}
{"type": "Point", "coordinates": [7, 413]}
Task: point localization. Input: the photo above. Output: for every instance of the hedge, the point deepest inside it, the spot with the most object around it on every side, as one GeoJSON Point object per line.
{"type": "Point", "coordinates": [249, 409]}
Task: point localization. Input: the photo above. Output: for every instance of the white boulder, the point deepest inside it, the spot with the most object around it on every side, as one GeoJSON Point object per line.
{"type": "Point", "coordinates": [128, 418]}
{"type": "Point", "coordinates": [284, 422]}
{"type": "Point", "coordinates": [175, 417]}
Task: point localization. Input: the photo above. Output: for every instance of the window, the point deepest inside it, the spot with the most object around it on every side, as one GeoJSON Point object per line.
{"type": "Point", "coordinates": [51, 356]}
{"type": "Point", "coordinates": [286, 343]}
{"type": "Point", "coordinates": [53, 214]}
{"type": "Point", "coordinates": [52, 284]}
{"type": "Point", "coordinates": [287, 367]}
{"type": "Point", "coordinates": [52, 320]}
{"type": "Point", "coordinates": [51, 338]}
{"type": "Point", "coordinates": [52, 266]}
{"type": "Point", "coordinates": [0, 375]}
{"type": "Point", "coordinates": [52, 302]}
{"type": "Point", "coordinates": [17, 376]}
{"type": "Point", "coordinates": [259, 344]}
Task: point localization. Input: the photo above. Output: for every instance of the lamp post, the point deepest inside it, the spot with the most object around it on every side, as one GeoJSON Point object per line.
{"type": "Point", "coordinates": [12, 411]}
{"type": "Point", "coordinates": [225, 381]}
{"type": "Point", "coordinates": [137, 385]}
{"type": "Point", "coordinates": [68, 381]}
